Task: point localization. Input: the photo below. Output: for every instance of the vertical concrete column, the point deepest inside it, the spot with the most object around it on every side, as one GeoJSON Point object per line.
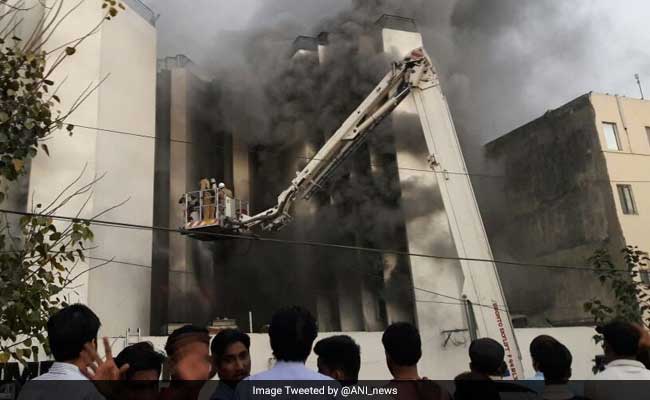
{"type": "Point", "coordinates": [427, 229]}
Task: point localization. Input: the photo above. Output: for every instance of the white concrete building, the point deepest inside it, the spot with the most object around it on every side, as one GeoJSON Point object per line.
{"type": "Point", "coordinates": [123, 52]}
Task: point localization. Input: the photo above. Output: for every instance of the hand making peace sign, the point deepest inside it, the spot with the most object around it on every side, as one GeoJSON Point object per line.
{"type": "Point", "coordinates": [101, 370]}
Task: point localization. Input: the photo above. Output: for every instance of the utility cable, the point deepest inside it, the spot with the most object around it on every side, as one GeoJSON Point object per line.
{"type": "Point", "coordinates": [257, 238]}
{"type": "Point", "coordinates": [308, 159]}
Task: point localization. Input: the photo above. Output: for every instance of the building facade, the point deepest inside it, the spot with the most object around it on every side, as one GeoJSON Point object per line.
{"type": "Point", "coordinates": [124, 101]}
{"type": "Point", "coordinates": [388, 195]}
{"type": "Point", "coordinates": [569, 183]}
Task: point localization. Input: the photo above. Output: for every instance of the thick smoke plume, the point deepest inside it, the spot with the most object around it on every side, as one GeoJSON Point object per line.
{"type": "Point", "coordinates": [502, 63]}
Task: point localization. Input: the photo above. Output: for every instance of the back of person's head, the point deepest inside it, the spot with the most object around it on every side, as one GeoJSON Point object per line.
{"type": "Point", "coordinates": [292, 333]}
{"type": "Point", "coordinates": [141, 358]}
{"type": "Point", "coordinates": [339, 353]}
{"type": "Point", "coordinates": [539, 346]}
{"type": "Point", "coordinates": [621, 339]}
{"type": "Point", "coordinates": [69, 329]}
{"type": "Point", "coordinates": [555, 363]}
{"type": "Point", "coordinates": [185, 335]}
{"type": "Point", "coordinates": [225, 338]}
{"type": "Point", "coordinates": [402, 344]}
{"type": "Point", "coordinates": [472, 386]}
{"type": "Point", "coordinates": [486, 356]}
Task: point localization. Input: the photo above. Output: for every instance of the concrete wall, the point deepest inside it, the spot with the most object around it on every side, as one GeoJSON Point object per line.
{"type": "Point", "coordinates": [579, 341]}
{"type": "Point", "coordinates": [552, 204]}
{"type": "Point", "coordinates": [632, 164]}
{"type": "Point", "coordinates": [125, 102]}
{"type": "Point", "coordinates": [189, 149]}
{"type": "Point", "coordinates": [373, 362]}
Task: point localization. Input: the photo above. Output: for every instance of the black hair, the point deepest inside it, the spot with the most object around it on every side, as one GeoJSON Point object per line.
{"type": "Point", "coordinates": [225, 338]}
{"type": "Point", "coordinates": [140, 357]}
{"type": "Point", "coordinates": [292, 333]}
{"type": "Point", "coordinates": [402, 344]}
{"type": "Point", "coordinates": [183, 335]}
{"type": "Point", "coordinates": [340, 352]}
{"type": "Point", "coordinates": [540, 345]}
{"type": "Point", "coordinates": [486, 356]}
{"type": "Point", "coordinates": [555, 363]}
{"type": "Point", "coordinates": [69, 329]}
{"type": "Point", "coordinates": [621, 337]}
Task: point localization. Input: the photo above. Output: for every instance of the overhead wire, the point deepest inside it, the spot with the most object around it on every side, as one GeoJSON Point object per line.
{"type": "Point", "coordinates": [500, 307]}
{"type": "Point", "coordinates": [123, 225]}
{"type": "Point", "coordinates": [439, 172]}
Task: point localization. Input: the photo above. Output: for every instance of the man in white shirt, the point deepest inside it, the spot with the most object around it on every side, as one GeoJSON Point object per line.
{"type": "Point", "coordinates": [621, 344]}
{"type": "Point", "coordinates": [292, 333]}
{"type": "Point", "coordinates": [72, 335]}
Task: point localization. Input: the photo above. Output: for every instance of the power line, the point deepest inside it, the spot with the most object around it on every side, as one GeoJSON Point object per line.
{"type": "Point", "coordinates": [492, 176]}
{"type": "Point", "coordinates": [257, 238]}
{"type": "Point", "coordinates": [500, 307]}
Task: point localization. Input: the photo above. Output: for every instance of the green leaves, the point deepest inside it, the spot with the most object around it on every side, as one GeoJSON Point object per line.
{"type": "Point", "coordinates": [112, 6]}
{"type": "Point", "coordinates": [625, 285]}
{"type": "Point", "coordinates": [32, 281]}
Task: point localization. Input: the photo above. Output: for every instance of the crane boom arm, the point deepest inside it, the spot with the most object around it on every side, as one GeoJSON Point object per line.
{"type": "Point", "coordinates": [415, 70]}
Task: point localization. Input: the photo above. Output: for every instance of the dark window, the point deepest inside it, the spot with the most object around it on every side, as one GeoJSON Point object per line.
{"type": "Point", "coordinates": [627, 199]}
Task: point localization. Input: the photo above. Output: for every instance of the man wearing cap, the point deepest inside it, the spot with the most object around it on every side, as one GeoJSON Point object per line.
{"type": "Point", "coordinates": [487, 370]}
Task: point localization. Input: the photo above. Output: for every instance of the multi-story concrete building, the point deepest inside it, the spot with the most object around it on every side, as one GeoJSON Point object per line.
{"type": "Point", "coordinates": [123, 102]}
{"type": "Point", "coordinates": [573, 181]}
{"type": "Point", "coordinates": [388, 195]}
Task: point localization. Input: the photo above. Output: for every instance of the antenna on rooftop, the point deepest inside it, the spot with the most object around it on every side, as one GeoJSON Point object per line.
{"type": "Point", "coordinates": [638, 82]}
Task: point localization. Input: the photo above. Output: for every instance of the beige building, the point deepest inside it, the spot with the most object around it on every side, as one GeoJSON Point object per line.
{"type": "Point", "coordinates": [564, 185]}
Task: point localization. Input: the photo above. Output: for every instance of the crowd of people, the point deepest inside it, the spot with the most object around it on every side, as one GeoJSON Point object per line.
{"type": "Point", "coordinates": [192, 358]}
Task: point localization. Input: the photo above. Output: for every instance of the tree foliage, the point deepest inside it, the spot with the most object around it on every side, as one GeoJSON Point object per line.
{"type": "Point", "coordinates": [43, 263]}
{"type": "Point", "coordinates": [38, 258]}
{"type": "Point", "coordinates": [29, 103]}
{"type": "Point", "coordinates": [630, 293]}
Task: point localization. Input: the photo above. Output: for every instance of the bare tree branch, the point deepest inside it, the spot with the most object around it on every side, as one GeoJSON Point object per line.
{"type": "Point", "coordinates": [74, 278]}
{"type": "Point", "coordinates": [11, 30]}
{"type": "Point", "coordinates": [77, 179]}
{"type": "Point", "coordinates": [84, 189]}
{"type": "Point", "coordinates": [37, 32]}
{"type": "Point", "coordinates": [80, 101]}
{"type": "Point", "coordinates": [56, 23]}
{"type": "Point", "coordinates": [17, 7]}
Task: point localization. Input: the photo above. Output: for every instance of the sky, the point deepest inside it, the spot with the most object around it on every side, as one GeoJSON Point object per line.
{"type": "Point", "coordinates": [504, 62]}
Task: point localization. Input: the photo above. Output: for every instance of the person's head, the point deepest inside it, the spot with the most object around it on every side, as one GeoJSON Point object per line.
{"type": "Point", "coordinates": [292, 333]}
{"type": "Point", "coordinates": [402, 346]}
{"type": "Point", "coordinates": [69, 329]}
{"type": "Point", "coordinates": [555, 363]}
{"type": "Point", "coordinates": [538, 347]}
{"type": "Point", "coordinates": [189, 354]}
{"type": "Point", "coordinates": [145, 363]}
{"type": "Point", "coordinates": [230, 355]}
{"type": "Point", "coordinates": [339, 357]}
{"type": "Point", "coordinates": [620, 340]}
{"type": "Point", "coordinates": [222, 185]}
{"type": "Point", "coordinates": [486, 356]}
{"type": "Point", "coordinates": [472, 385]}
